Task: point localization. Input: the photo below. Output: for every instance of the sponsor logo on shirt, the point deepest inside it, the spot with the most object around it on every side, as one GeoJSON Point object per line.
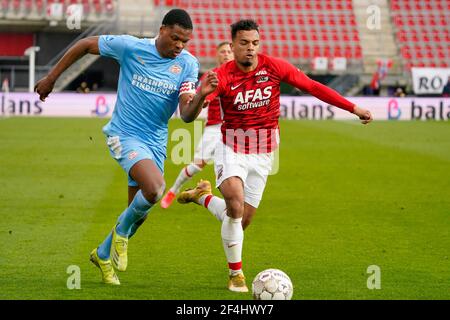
{"type": "Point", "coordinates": [253, 98]}
{"type": "Point", "coordinates": [153, 85]}
{"type": "Point", "coordinates": [261, 73]}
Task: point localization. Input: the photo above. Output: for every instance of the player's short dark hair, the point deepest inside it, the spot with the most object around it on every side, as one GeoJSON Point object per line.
{"type": "Point", "coordinates": [246, 24]}
{"type": "Point", "coordinates": [179, 17]}
{"type": "Point", "coordinates": [222, 44]}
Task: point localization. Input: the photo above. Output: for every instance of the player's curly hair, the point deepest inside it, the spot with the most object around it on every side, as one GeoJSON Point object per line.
{"type": "Point", "coordinates": [179, 17]}
{"type": "Point", "coordinates": [246, 24]}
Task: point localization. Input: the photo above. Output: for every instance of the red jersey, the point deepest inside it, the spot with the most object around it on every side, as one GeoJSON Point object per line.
{"type": "Point", "coordinates": [251, 101]}
{"type": "Point", "coordinates": [214, 113]}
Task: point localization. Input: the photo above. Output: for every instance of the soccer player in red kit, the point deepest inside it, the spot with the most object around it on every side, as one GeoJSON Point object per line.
{"type": "Point", "coordinates": [249, 88]}
{"type": "Point", "coordinates": [211, 135]}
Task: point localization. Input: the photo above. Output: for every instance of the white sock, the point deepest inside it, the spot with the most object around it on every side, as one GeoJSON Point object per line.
{"type": "Point", "coordinates": [232, 240]}
{"type": "Point", "coordinates": [215, 205]}
{"type": "Point", "coordinates": [185, 175]}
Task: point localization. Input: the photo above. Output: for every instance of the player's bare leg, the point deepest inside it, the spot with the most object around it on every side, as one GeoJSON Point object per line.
{"type": "Point", "coordinates": [184, 176]}
{"type": "Point", "coordinates": [131, 193]}
{"type": "Point", "coordinates": [249, 213]}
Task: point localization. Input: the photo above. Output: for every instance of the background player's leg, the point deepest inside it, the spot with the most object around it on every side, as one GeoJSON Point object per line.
{"type": "Point", "coordinates": [184, 176]}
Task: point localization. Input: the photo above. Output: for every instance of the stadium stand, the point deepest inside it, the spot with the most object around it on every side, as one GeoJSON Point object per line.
{"type": "Point", "coordinates": [413, 33]}
{"type": "Point", "coordinates": [26, 10]}
{"type": "Point", "coordinates": [423, 32]}
{"type": "Point", "coordinates": [295, 30]}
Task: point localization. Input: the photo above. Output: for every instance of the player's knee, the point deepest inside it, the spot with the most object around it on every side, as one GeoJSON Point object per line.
{"type": "Point", "coordinates": [154, 192]}
{"type": "Point", "coordinates": [235, 208]}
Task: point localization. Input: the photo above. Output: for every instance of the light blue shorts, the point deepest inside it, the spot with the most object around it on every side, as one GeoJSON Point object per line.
{"type": "Point", "coordinates": [128, 151]}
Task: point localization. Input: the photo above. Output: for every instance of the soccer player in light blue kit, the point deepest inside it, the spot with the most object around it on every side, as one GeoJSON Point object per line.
{"type": "Point", "coordinates": [156, 75]}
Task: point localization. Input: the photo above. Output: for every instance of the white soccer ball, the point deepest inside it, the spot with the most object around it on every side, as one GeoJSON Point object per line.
{"type": "Point", "coordinates": [272, 284]}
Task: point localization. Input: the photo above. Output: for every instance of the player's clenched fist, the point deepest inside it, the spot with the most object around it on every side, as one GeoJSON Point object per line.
{"type": "Point", "coordinates": [44, 87]}
{"type": "Point", "coordinates": [209, 84]}
{"type": "Point", "coordinates": [363, 114]}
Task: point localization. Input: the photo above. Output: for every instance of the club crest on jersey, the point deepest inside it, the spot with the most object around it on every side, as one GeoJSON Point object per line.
{"type": "Point", "coordinates": [140, 60]}
{"type": "Point", "coordinates": [262, 79]}
{"type": "Point", "coordinates": [175, 69]}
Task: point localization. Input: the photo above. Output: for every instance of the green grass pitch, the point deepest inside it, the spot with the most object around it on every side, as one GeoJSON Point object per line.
{"type": "Point", "coordinates": [346, 197]}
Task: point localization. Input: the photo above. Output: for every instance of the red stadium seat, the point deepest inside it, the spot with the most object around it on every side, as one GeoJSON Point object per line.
{"type": "Point", "coordinates": [109, 6]}
{"type": "Point", "coordinates": [86, 6]}
{"type": "Point", "coordinates": [327, 51]}
{"type": "Point", "coordinates": [4, 5]}
{"type": "Point", "coordinates": [203, 51]}
{"type": "Point", "coordinates": [212, 51]}
{"type": "Point", "coordinates": [28, 5]}
{"type": "Point", "coordinates": [406, 54]}
{"type": "Point", "coordinates": [39, 5]}
{"type": "Point", "coordinates": [295, 51]}
{"type": "Point", "coordinates": [16, 5]}
{"type": "Point", "coordinates": [276, 50]}
{"type": "Point", "coordinates": [285, 52]}
{"type": "Point", "coordinates": [306, 53]}
{"type": "Point", "coordinates": [317, 51]}
{"type": "Point", "coordinates": [97, 6]}
{"type": "Point", "coordinates": [358, 52]}
{"type": "Point", "coordinates": [211, 36]}
{"type": "Point", "coordinates": [337, 51]}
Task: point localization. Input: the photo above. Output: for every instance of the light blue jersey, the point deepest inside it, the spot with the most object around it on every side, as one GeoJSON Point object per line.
{"type": "Point", "coordinates": [148, 88]}
{"type": "Point", "coordinates": [147, 96]}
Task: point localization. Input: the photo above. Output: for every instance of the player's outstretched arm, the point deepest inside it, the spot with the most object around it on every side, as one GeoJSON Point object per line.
{"type": "Point", "coordinates": [192, 105]}
{"type": "Point", "coordinates": [78, 50]}
{"type": "Point", "coordinates": [332, 97]}
{"type": "Point", "coordinates": [298, 79]}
